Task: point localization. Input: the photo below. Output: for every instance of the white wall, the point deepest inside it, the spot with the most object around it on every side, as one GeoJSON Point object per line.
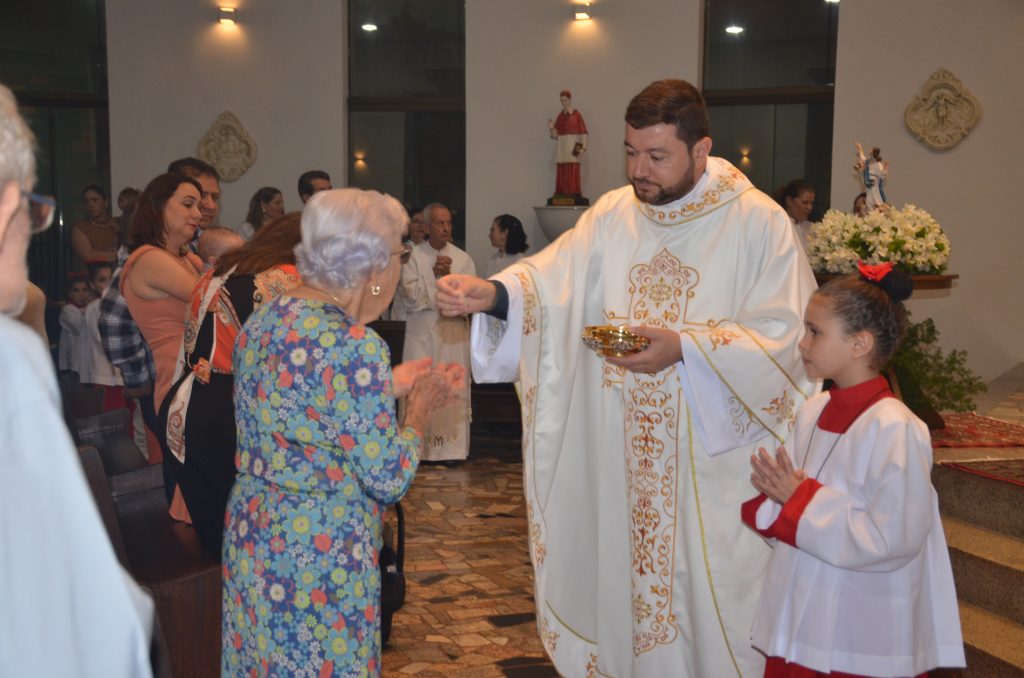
{"type": "Point", "coordinates": [887, 50]}
{"type": "Point", "coordinates": [519, 56]}
{"type": "Point", "coordinates": [281, 70]}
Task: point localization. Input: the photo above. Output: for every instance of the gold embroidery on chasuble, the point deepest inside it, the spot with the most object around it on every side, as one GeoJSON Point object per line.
{"type": "Point", "coordinates": [530, 304]}
{"type": "Point", "coordinates": [659, 292]}
{"type": "Point", "coordinates": [723, 188]}
{"type": "Point", "coordinates": [742, 417]}
{"type": "Point", "coordinates": [591, 668]}
{"type": "Point", "coordinates": [547, 636]}
{"type": "Point", "coordinates": [537, 547]}
{"type": "Point", "coordinates": [783, 409]}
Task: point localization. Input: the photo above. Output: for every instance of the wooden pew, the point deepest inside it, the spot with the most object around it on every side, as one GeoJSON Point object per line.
{"type": "Point", "coordinates": [166, 557]}
{"type": "Point", "coordinates": [95, 476]}
{"type": "Point", "coordinates": [162, 555]}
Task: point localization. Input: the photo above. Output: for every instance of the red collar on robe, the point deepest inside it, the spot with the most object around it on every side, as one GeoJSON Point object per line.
{"type": "Point", "coordinates": [846, 404]}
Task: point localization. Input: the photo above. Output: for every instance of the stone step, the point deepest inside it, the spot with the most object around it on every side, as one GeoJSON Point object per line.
{"type": "Point", "coordinates": [988, 568]}
{"type": "Point", "coordinates": [994, 645]}
{"type": "Point", "coordinates": [988, 503]}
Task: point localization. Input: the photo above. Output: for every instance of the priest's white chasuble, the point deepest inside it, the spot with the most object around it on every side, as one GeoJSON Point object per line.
{"type": "Point", "coordinates": [634, 481]}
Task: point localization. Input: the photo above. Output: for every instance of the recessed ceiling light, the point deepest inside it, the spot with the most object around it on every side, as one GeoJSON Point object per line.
{"type": "Point", "coordinates": [834, 2]}
{"type": "Point", "coordinates": [734, 29]}
{"type": "Point", "coordinates": [369, 27]}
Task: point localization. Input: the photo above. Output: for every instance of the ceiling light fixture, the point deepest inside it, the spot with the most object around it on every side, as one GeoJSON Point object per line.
{"type": "Point", "coordinates": [226, 15]}
{"type": "Point", "coordinates": [369, 27]}
{"type": "Point", "coordinates": [734, 29]}
{"type": "Point", "coordinates": [581, 11]}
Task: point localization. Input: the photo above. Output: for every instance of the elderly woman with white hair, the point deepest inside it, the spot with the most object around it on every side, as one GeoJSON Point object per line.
{"type": "Point", "coordinates": [320, 449]}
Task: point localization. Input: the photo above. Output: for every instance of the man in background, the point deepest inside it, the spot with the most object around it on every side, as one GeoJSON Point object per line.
{"type": "Point", "coordinates": [312, 182]}
{"type": "Point", "coordinates": [209, 183]}
{"type": "Point", "coordinates": [446, 340]}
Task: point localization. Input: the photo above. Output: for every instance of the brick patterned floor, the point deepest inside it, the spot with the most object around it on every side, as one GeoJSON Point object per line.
{"type": "Point", "coordinates": [469, 608]}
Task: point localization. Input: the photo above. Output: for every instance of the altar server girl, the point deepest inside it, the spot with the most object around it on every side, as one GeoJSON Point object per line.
{"type": "Point", "coordinates": [859, 582]}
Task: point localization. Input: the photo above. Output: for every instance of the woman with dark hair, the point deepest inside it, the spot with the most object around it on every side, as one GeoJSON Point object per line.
{"type": "Point", "coordinates": [95, 238]}
{"type": "Point", "coordinates": [198, 414]}
{"type": "Point", "coordinates": [265, 205]}
{"type": "Point", "coordinates": [158, 277]}
{"type": "Point", "coordinates": [860, 204]}
{"type": "Point", "coordinates": [508, 236]}
{"type": "Point", "coordinates": [797, 198]}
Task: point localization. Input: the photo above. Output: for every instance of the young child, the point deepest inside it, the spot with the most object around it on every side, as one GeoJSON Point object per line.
{"type": "Point", "coordinates": [859, 582]}
{"type": "Point", "coordinates": [71, 318]}
{"type": "Point", "coordinates": [215, 242]}
{"type": "Point", "coordinates": [94, 368]}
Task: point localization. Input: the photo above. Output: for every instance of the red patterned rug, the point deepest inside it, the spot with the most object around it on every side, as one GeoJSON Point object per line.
{"type": "Point", "coordinates": [974, 430]}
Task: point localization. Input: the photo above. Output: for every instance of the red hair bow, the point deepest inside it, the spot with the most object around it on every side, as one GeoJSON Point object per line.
{"type": "Point", "coordinates": [875, 272]}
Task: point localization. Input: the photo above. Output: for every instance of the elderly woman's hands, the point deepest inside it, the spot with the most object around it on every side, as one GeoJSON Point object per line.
{"type": "Point", "coordinates": [455, 376]}
{"type": "Point", "coordinates": [430, 391]}
{"type": "Point", "coordinates": [404, 374]}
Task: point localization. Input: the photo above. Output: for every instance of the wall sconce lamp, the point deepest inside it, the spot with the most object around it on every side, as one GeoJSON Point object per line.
{"type": "Point", "coordinates": [360, 159]}
{"type": "Point", "coordinates": [744, 155]}
{"type": "Point", "coordinates": [227, 16]}
{"type": "Point", "coordinates": [581, 11]}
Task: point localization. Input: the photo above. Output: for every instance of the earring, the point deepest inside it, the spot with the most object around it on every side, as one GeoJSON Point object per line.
{"type": "Point", "coordinates": [375, 290]}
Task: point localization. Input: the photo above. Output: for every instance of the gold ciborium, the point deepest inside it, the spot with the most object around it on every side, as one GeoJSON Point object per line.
{"type": "Point", "coordinates": [613, 342]}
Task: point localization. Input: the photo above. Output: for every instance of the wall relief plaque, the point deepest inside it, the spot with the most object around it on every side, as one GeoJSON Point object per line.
{"type": "Point", "coordinates": [943, 114]}
{"type": "Point", "coordinates": [228, 147]}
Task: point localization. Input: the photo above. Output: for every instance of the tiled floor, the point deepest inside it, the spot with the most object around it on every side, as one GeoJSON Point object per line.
{"type": "Point", "coordinates": [469, 605]}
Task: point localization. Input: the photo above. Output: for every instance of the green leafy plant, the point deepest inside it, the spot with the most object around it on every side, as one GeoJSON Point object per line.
{"type": "Point", "coordinates": [929, 377]}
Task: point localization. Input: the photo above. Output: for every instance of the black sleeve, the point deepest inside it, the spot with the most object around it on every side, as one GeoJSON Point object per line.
{"type": "Point", "coordinates": [500, 309]}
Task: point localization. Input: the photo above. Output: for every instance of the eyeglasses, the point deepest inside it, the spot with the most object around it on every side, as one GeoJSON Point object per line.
{"type": "Point", "coordinates": [41, 209]}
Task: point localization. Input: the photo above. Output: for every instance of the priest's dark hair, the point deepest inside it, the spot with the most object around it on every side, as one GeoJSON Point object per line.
{"type": "Point", "coordinates": [671, 102]}
{"type": "Point", "coordinates": [876, 307]}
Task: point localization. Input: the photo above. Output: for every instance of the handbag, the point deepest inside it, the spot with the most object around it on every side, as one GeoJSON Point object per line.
{"type": "Point", "coordinates": [392, 575]}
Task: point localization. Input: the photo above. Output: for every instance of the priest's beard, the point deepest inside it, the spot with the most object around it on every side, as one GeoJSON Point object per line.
{"type": "Point", "coordinates": [663, 195]}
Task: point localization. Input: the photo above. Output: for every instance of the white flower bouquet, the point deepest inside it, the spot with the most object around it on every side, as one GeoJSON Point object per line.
{"type": "Point", "coordinates": [908, 237]}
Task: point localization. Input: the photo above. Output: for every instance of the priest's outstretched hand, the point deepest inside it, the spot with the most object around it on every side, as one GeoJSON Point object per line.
{"type": "Point", "coordinates": [665, 350]}
{"type": "Point", "coordinates": [459, 294]}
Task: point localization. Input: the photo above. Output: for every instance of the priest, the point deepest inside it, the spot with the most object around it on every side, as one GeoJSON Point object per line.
{"type": "Point", "coordinates": [635, 467]}
{"type": "Point", "coordinates": [428, 334]}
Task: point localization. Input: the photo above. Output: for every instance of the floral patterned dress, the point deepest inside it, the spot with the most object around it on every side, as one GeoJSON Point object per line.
{"type": "Point", "coordinates": [319, 453]}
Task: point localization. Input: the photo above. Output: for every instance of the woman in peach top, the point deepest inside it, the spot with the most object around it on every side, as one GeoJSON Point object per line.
{"type": "Point", "coordinates": [159, 275]}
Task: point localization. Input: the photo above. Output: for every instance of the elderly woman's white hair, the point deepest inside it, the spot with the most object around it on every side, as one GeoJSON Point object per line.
{"type": "Point", "coordinates": [17, 159]}
{"type": "Point", "coordinates": [347, 236]}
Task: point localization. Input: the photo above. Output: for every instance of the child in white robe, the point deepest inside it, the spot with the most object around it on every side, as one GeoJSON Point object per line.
{"type": "Point", "coordinates": [859, 582]}
{"type": "Point", "coordinates": [72, 316]}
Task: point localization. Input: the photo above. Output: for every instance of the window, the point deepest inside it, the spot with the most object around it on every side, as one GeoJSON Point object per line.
{"type": "Point", "coordinates": [770, 89]}
{"type": "Point", "coordinates": [407, 123]}
{"type": "Point", "coordinates": [55, 62]}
